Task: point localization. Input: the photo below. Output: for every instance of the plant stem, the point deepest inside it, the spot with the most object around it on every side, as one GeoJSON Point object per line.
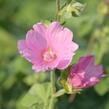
{"type": "Point", "coordinates": [53, 81]}
{"type": "Point", "coordinates": [53, 89]}
{"type": "Point", "coordinates": [58, 6]}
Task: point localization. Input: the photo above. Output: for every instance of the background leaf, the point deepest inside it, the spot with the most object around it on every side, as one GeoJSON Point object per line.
{"type": "Point", "coordinates": [37, 96]}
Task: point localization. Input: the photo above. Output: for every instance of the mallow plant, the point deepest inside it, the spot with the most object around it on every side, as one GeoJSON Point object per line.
{"type": "Point", "coordinates": [50, 46]}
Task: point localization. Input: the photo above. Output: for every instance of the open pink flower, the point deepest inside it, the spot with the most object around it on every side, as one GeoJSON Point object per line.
{"type": "Point", "coordinates": [48, 47]}
{"type": "Point", "coordinates": [85, 74]}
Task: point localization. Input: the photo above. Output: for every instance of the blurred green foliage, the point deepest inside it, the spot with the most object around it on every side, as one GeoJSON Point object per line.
{"type": "Point", "coordinates": [91, 32]}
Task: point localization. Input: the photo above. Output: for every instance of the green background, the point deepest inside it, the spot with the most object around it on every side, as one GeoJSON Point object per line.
{"type": "Point", "coordinates": [91, 32]}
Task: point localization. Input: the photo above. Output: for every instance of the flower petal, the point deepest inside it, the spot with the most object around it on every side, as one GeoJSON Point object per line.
{"type": "Point", "coordinates": [39, 68]}
{"type": "Point", "coordinates": [26, 52]}
{"type": "Point", "coordinates": [61, 37]}
{"type": "Point", "coordinates": [45, 66]}
{"type": "Point", "coordinates": [35, 40]}
{"type": "Point", "coordinates": [62, 43]}
{"type": "Point", "coordinates": [54, 28]}
{"type": "Point", "coordinates": [40, 28]}
{"type": "Point", "coordinates": [87, 71]}
{"type": "Point", "coordinates": [64, 63]}
{"type": "Point", "coordinates": [86, 61]}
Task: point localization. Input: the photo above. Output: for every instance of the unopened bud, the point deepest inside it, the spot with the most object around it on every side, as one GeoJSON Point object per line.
{"type": "Point", "coordinates": [72, 9]}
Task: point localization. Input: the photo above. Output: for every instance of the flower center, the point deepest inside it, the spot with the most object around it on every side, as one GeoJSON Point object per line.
{"type": "Point", "coordinates": [49, 55]}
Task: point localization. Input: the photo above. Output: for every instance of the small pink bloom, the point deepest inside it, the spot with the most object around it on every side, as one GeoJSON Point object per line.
{"type": "Point", "coordinates": [85, 74]}
{"type": "Point", "coordinates": [48, 47]}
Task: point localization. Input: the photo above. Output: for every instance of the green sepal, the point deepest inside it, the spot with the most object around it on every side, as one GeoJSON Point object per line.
{"type": "Point", "coordinates": [63, 82]}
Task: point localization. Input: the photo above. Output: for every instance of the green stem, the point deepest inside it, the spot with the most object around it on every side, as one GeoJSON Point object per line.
{"type": "Point", "coordinates": [53, 89]}
{"type": "Point", "coordinates": [53, 82]}
{"type": "Point", "coordinates": [58, 5]}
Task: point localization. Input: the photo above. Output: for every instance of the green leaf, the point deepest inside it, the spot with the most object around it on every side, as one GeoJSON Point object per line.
{"type": "Point", "coordinates": [85, 27]}
{"type": "Point", "coordinates": [35, 77]}
{"type": "Point", "coordinates": [107, 104]}
{"type": "Point", "coordinates": [102, 46]}
{"type": "Point", "coordinates": [7, 47]}
{"type": "Point", "coordinates": [102, 87]}
{"type": "Point", "coordinates": [19, 64]}
{"type": "Point", "coordinates": [2, 76]}
{"type": "Point", "coordinates": [36, 98]}
{"type": "Point", "coordinates": [9, 82]}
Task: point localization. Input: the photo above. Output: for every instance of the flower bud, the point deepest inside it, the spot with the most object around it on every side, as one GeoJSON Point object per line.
{"type": "Point", "coordinates": [63, 80]}
{"type": "Point", "coordinates": [72, 9]}
{"type": "Point", "coordinates": [82, 75]}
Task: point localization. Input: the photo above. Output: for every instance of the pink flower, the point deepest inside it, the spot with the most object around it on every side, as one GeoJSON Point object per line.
{"type": "Point", "coordinates": [48, 47]}
{"type": "Point", "coordinates": [85, 74]}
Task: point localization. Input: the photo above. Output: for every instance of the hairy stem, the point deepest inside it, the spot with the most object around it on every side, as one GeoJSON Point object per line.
{"type": "Point", "coordinates": [58, 6]}
{"type": "Point", "coordinates": [53, 89]}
